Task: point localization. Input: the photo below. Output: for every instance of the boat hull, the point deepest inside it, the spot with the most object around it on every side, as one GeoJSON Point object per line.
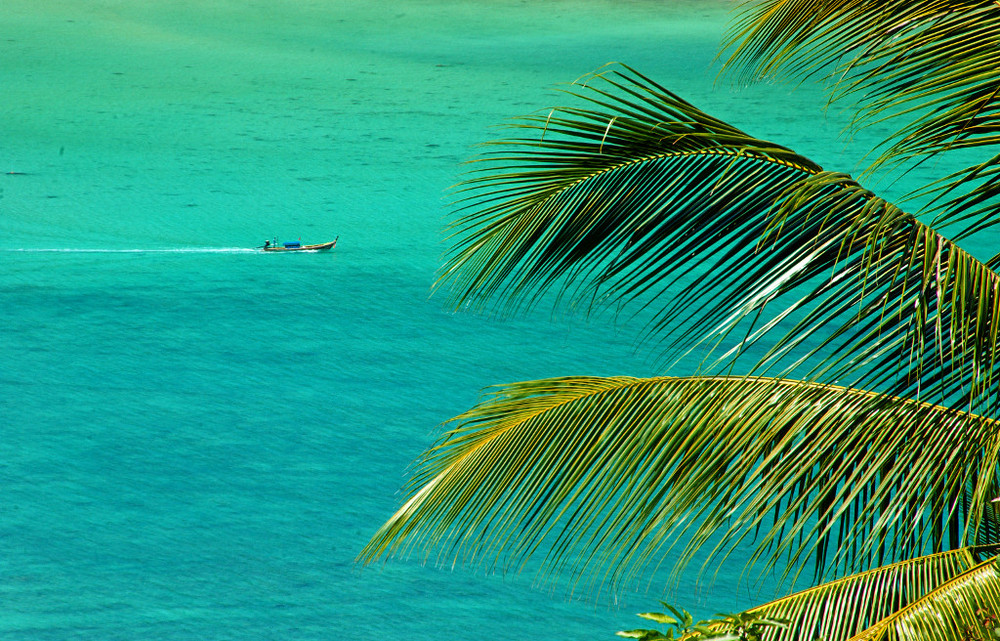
{"type": "Point", "coordinates": [322, 247]}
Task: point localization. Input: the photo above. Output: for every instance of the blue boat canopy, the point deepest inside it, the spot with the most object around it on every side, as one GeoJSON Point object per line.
{"type": "Point", "coordinates": [293, 243]}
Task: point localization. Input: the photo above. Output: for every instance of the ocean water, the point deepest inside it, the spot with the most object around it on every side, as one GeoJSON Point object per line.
{"type": "Point", "coordinates": [198, 438]}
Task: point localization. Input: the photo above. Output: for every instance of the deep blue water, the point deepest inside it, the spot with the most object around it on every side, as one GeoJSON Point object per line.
{"type": "Point", "coordinates": [197, 439]}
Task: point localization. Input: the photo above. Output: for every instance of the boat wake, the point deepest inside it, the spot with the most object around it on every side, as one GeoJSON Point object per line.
{"type": "Point", "coordinates": [175, 250]}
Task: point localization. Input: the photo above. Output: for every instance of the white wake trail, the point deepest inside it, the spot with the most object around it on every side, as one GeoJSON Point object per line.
{"type": "Point", "coordinates": [176, 250]}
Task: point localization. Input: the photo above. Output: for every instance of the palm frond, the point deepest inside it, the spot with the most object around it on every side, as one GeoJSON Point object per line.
{"type": "Point", "coordinates": [899, 309]}
{"type": "Point", "coordinates": [929, 60]}
{"type": "Point", "coordinates": [966, 607]}
{"type": "Point", "coordinates": [601, 478]}
{"type": "Point", "coordinates": [644, 203]}
{"type": "Point", "coordinates": [838, 610]}
{"type": "Point", "coordinates": [929, 65]}
{"type": "Point", "coordinates": [986, 541]}
{"type": "Point", "coordinates": [967, 200]}
{"type": "Point", "coordinates": [590, 180]}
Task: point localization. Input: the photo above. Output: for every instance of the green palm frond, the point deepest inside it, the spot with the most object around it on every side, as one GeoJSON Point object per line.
{"type": "Point", "coordinates": [967, 200]}
{"type": "Point", "coordinates": [645, 203]}
{"type": "Point", "coordinates": [897, 305]}
{"type": "Point", "coordinates": [930, 61]}
{"type": "Point", "coordinates": [590, 185]}
{"type": "Point", "coordinates": [967, 607]}
{"type": "Point", "coordinates": [838, 610]}
{"type": "Point", "coordinates": [591, 181]}
{"type": "Point", "coordinates": [602, 477]}
{"type": "Point", "coordinates": [930, 65]}
{"type": "Point", "coordinates": [987, 538]}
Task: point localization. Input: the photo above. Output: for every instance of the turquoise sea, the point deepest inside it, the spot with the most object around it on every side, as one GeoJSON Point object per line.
{"type": "Point", "coordinates": [198, 438]}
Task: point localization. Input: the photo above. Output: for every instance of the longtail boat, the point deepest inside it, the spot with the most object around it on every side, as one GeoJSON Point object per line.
{"type": "Point", "coordinates": [297, 246]}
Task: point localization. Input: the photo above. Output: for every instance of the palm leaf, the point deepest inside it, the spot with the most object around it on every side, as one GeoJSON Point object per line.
{"type": "Point", "coordinates": [837, 610]}
{"type": "Point", "coordinates": [840, 609]}
{"type": "Point", "coordinates": [987, 537]}
{"type": "Point", "coordinates": [601, 478]}
{"type": "Point", "coordinates": [963, 608]}
{"type": "Point", "coordinates": [929, 64]}
{"type": "Point", "coordinates": [968, 200]}
{"type": "Point", "coordinates": [940, 596]}
{"type": "Point", "coordinates": [646, 204]}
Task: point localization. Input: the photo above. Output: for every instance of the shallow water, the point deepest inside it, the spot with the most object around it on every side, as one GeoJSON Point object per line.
{"type": "Point", "coordinates": [199, 438]}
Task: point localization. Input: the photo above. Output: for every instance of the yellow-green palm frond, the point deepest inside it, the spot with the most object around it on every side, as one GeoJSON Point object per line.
{"type": "Point", "coordinates": [987, 537]}
{"type": "Point", "coordinates": [583, 189]}
{"type": "Point", "coordinates": [932, 62]}
{"type": "Point", "coordinates": [838, 610]}
{"type": "Point", "coordinates": [930, 65]}
{"type": "Point", "coordinates": [601, 478]}
{"type": "Point", "coordinates": [644, 204]}
{"type": "Point", "coordinates": [889, 304]}
{"type": "Point", "coordinates": [967, 200]}
{"type": "Point", "coordinates": [966, 607]}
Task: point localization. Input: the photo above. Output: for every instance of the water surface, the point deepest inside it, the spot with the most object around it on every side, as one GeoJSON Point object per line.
{"type": "Point", "coordinates": [198, 438]}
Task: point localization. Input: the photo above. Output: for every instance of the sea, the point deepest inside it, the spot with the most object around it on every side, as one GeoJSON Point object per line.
{"type": "Point", "coordinates": [198, 438]}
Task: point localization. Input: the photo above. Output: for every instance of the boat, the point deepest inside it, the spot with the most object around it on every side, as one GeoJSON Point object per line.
{"type": "Point", "coordinates": [297, 246]}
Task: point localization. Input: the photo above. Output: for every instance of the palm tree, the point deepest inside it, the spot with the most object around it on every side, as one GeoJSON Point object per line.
{"type": "Point", "coordinates": [844, 417]}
